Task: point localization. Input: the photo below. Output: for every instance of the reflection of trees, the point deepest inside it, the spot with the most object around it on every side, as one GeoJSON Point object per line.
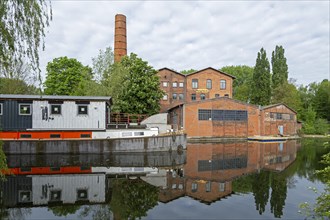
{"type": "Point", "coordinates": [260, 190]}
{"type": "Point", "coordinates": [132, 198]}
{"type": "Point", "coordinates": [64, 210]}
{"type": "Point", "coordinates": [98, 212]}
{"type": "Point", "coordinates": [279, 190]}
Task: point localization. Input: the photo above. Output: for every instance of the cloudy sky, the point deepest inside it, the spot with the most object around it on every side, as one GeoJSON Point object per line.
{"type": "Point", "coordinates": [197, 34]}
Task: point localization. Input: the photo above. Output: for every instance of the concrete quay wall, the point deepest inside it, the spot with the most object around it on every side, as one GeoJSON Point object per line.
{"type": "Point", "coordinates": [96, 146]}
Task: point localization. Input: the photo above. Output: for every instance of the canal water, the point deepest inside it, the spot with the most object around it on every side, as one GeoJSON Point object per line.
{"type": "Point", "coordinates": [237, 180]}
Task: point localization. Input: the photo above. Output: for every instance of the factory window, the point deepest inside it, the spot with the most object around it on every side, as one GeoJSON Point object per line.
{"type": "Point", "coordinates": [278, 116]}
{"type": "Point", "coordinates": [226, 95]}
{"type": "Point", "coordinates": [82, 194]}
{"type": "Point", "coordinates": [217, 95]}
{"type": "Point", "coordinates": [204, 114]}
{"type": "Point", "coordinates": [165, 84]}
{"type": "Point", "coordinates": [194, 83]}
{"type": "Point", "coordinates": [82, 110]}
{"type": "Point", "coordinates": [55, 195]}
{"type": "Point", "coordinates": [181, 96]}
{"type": "Point", "coordinates": [222, 84]}
{"type": "Point", "coordinates": [24, 109]}
{"type": "Point", "coordinates": [174, 84]}
{"type": "Point", "coordinates": [208, 186]}
{"type": "Point", "coordinates": [193, 97]}
{"type": "Point", "coordinates": [174, 95]}
{"type": "Point", "coordinates": [181, 84]}
{"type": "Point", "coordinates": [55, 109]}
{"type": "Point", "coordinates": [222, 187]}
{"type": "Point", "coordinates": [209, 84]}
{"type": "Point", "coordinates": [0, 108]}
{"type": "Point", "coordinates": [202, 96]}
{"type": "Point", "coordinates": [291, 116]}
{"type": "Point", "coordinates": [272, 115]}
{"type": "Point", "coordinates": [165, 97]}
{"type": "Point", "coordinates": [194, 187]}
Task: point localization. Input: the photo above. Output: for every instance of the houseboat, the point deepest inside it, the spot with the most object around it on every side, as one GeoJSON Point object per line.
{"type": "Point", "coordinates": [61, 117]}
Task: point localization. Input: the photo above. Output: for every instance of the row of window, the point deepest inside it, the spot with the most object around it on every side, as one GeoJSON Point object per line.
{"type": "Point", "coordinates": [55, 195]}
{"type": "Point", "coordinates": [55, 109]}
{"type": "Point", "coordinates": [194, 187]}
{"type": "Point", "coordinates": [193, 96]}
{"type": "Point", "coordinates": [54, 136]}
{"type": "Point", "coordinates": [194, 84]}
{"type": "Point", "coordinates": [222, 115]}
{"type": "Point", "coordinates": [281, 116]}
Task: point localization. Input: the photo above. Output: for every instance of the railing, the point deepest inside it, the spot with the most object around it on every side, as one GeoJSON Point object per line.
{"type": "Point", "coordinates": [126, 118]}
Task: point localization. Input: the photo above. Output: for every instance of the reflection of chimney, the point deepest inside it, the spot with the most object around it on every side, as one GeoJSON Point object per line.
{"type": "Point", "coordinates": [120, 37]}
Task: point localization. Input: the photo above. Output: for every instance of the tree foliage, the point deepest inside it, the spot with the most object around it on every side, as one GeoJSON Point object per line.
{"type": "Point", "coordinates": [64, 76]}
{"type": "Point", "coordinates": [243, 82]}
{"type": "Point", "coordinates": [322, 100]}
{"type": "Point", "coordinates": [279, 67]}
{"type": "Point", "coordinates": [140, 88]}
{"type": "Point", "coordinates": [16, 86]}
{"type": "Point", "coordinates": [186, 72]}
{"type": "Point", "coordinates": [22, 31]}
{"type": "Point", "coordinates": [261, 92]}
{"type": "Point", "coordinates": [102, 64]}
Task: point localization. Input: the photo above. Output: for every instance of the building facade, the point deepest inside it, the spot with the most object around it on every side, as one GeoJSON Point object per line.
{"type": "Point", "coordinates": [201, 85]}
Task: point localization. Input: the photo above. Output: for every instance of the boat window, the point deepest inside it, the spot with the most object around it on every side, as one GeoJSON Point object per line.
{"type": "Point", "coordinates": [25, 109]}
{"type": "Point", "coordinates": [82, 110]}
{"type": "Point", "coordinates": [55, 136]}
{"type": "Point", "coordinates": [85, 135]}
{"type": "Point", "coordinates": [25, 135]}
{"type": "Point", "coordinates": [82, 194]}
{"type": "Point", "coordinates": [55, 195]}
{"type": "Point", "coordinates": [24, 196]}
{"type": "Point", "coordinates": [55, 109]}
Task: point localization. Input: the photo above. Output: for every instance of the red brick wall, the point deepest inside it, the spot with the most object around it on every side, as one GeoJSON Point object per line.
{"type": "Point", "coordinates": [270, 125]}
{"type": "Point", "coordinates": [196, 128]}
{"type": "Point", "coordinates": [166, 75]}
{"type": "Point", "coordinates": [202, 77]}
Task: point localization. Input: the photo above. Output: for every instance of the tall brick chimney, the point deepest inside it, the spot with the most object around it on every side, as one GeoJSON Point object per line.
{"type": "Point", "coordinates": [120, 37]}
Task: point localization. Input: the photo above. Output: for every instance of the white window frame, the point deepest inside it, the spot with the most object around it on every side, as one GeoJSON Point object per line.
{"type": "Point", "coordinates": [1, 108]}
{"type": "Point", "coordinates": [174, 84]}
{"type": "Point", "coordinates": [194, 83]}
{"type": "Point", "coordinates": [181, 96]}
{"type": "Point", "coordinates": [165, 84]}
{"type": "Point", "coordinates": [80, 105]}
{"type": "Point", "coordinates": [223, 82]}
{"type": "Point", "coordinates": [209, 83]}
{"type": "Point", "coordinates": [165, 97]}
{"type": "Point", "coordinates": [181, 84]}
{"type": "Point", "coordinates": [19, 109]}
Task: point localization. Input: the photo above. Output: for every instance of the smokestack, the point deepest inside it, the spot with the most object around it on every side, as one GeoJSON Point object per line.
{"type": "Point", "coordinates": [120, 37]}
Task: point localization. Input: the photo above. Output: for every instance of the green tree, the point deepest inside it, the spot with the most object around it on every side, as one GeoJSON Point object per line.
{"type": "Point", "coordinates": [322, 100]}
{"type": "Point", "coordinates": [279, 67]}
{"type": "Point", "coordinates": [22, 31]}
{"type": "Point", "coordinates": [102, 64]}
{"type": "Point", "coordinates": [64, 76]}
{"type": "Point", "coordinates": [16, 86]}
{"type": "Point", "coordinates": [242, 84]}
{"type": "Point", "coordinates": [140, 90]}
{"type": "Point", "coordinates": [261, 92]}
{"type": "Point", "coordinates": [288, 94]}
{"type": "Point", "coordinates": [64, 210]}
{"type": "Point", "coordinates": [186, 72]}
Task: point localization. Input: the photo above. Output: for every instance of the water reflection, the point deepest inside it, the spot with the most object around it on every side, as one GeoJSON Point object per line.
{"type": "Point", "coordinates": [122, 186]}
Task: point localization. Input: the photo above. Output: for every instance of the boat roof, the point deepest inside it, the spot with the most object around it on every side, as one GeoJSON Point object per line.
{"type": "Point", "coordinates": [55, 97]}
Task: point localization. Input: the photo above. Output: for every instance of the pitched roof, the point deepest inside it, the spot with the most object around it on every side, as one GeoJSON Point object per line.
{"type": "Point", "coordinates": [214, 70]}
{"type": "Point", "coordinates": [274, 105]}
{"type": "Point", "coordinates": [165, 68]}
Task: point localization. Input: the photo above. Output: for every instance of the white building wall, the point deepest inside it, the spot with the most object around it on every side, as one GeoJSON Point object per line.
{"type": "Point", "coordinates": [69, 118]}
{"type": "Point", "coordinates": [68, 184]}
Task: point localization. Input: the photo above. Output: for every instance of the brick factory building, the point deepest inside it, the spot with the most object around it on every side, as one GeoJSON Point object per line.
{"type": "Point", "coordinates": [201, 104]}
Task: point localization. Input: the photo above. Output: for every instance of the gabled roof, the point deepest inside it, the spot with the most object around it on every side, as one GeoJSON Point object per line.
{"type": "Point", "coordinates": [55, 97]}
{"type": "Point", "coordinates": [212, 69]}
{"type": "Point", "coordinates": [274, 105]}
{"type": "Point", "coordinates": [165, 68]}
